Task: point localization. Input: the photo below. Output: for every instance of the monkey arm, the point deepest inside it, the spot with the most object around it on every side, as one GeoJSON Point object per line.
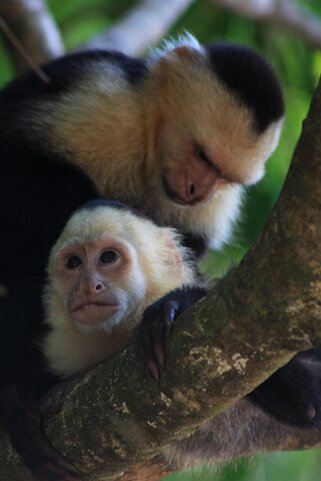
{"type": "Point", "coordinates": [293, 393]}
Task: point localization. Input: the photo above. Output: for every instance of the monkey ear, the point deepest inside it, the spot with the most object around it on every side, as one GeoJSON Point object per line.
{"type": "Point", "coordinates": [174, 258]}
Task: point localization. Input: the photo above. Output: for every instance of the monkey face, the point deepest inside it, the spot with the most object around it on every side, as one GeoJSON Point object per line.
{"type": "Point", "coordinates": [95, 282]}
{"type": "Point", "coordinates": [208, 137]}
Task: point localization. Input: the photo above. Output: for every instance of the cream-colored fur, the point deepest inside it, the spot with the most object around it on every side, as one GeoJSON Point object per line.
{"type": "Point", "coordinates": [157, 258]}
{"type": "Point", "coordinates": [114, 132]}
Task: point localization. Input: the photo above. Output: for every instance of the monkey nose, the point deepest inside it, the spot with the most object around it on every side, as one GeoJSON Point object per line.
{"type": "Point", "coordinates": [93, 287]}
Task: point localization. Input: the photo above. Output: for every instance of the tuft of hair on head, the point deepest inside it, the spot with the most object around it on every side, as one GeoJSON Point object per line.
{"type": "Point", "coordinates": [184, 41]}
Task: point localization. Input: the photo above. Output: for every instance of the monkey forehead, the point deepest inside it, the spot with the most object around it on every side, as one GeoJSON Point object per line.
{"type": "Point", "coordinates": [240, 70]}
{"type": "Point", "coordinates": [93, 224]}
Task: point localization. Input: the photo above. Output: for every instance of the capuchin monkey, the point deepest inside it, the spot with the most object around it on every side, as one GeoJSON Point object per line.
{"type": "Point", "coordinates": [178, 136]}
{"type": "Point", "coordinates": [107, 266]}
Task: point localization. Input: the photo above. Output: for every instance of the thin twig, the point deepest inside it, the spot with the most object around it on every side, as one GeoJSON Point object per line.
{"type": "Point", "coordinates": [25, 54]}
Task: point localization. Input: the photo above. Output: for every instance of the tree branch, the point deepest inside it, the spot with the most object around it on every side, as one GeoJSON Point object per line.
{"type": "Point", "coordinates": [36, 36]}
{"type": "Point", "coordinates": [281, 12]}
{"type": "Point", "coordinates": [143, 26]}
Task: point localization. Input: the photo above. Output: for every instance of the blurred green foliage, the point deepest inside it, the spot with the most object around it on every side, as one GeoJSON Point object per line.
{"type": "Point", "coordinates": [294, 466]}
{"type": "Point", "coordinates": [298, 67]}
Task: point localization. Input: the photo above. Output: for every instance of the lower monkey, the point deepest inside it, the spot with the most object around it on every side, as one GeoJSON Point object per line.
{"type": "Point", "coordinates": [106, 272]}
{"type": "Point", "coordinates": [107, 266]}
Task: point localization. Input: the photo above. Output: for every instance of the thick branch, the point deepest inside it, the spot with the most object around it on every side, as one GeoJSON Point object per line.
{"type": "Point", "coordinates": [36, 37]}
{"type": "Point", "coordinates": [282, 12]}
{"type": "Point", "coordinates": [254, 321]}
{"type": "Point", "coordinates": [141, 27]}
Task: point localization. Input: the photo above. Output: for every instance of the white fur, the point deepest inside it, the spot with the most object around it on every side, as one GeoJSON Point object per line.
{"type": "Point", "coordinates": [168, 45]}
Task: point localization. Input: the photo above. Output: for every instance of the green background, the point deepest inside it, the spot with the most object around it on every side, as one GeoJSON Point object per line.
{"type": "Point", "coordinates": [298, 67]}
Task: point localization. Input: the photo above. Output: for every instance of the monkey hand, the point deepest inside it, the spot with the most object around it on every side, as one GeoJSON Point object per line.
{"type": "Point", "coordinates": [293, 393]}
{"type": "Point", "coordinates": [159, 319]}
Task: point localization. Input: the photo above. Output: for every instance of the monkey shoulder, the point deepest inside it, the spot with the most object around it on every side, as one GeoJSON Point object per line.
{"type": "Point", "coordinates": [69, 70]}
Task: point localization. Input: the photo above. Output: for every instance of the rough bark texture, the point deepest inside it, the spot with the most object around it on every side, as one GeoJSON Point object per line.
{"type": "Point", "coordinates": [255, 320]}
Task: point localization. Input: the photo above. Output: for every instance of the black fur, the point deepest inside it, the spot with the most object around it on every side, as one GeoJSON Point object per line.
{"type": "Point", "coordinates": [37, 196]}
{"type": "Point", "coordinates": [237, 66]}
{"type": "Point", "coordinates": [65, 71]}
{"type": "Point", "coordinates": [293, 393]}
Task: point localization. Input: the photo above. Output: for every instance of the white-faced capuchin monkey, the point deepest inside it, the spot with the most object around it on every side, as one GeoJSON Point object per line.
{"type": "Point", "coordinates": [178, 136]}
{"type": "Point", "coordinates": [107, 266]}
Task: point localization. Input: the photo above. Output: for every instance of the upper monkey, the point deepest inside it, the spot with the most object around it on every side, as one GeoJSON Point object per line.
{"type": "Point", "coordinates": [177, 135]}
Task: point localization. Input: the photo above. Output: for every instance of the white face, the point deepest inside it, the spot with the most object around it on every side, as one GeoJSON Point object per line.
{"type": "Point", "coordinates": [99, 283]}
{"type": "Point", "coordinates": [206, 140]}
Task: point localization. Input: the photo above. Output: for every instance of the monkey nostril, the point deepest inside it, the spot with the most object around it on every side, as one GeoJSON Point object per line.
{"type": "Point", "coordinates": [191, 189]}
{"type": "Point", "coordinates": [99, 287]}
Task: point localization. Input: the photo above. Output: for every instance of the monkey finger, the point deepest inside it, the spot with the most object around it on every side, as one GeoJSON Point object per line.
{"type": "Point", "coordinates": [45, 463]}
{"type": "Point", "coordinates": [149, 362]}
{"type": "Point", "coordinates": [159, 328]}
{"type": "Point", "coordinates": [144, 350]}
{"type": "Point", "coordinates": [170, 313]}
{"type": "Point", "coordinates": [49, 409]}
{"type": "Point", "coordinates": [159, 352]}
{"type": "Point", "coordinates": [153, 369]}
{"type": "Point", "coordinates": [55, 472]}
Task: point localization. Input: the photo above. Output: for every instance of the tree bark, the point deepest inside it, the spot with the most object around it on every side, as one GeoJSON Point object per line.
{"type": "Point", "coordinates": [254, 321]}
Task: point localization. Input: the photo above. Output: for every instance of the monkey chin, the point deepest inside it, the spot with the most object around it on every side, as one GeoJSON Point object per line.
{"type": "Point", "coordinates": [91, 317]}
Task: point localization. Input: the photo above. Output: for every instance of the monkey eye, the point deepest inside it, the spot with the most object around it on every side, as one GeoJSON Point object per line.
{"type": "Point", "coordinates": [109, 257]}
{"type": "Point", "coordinates": [73, 262]}
{"type": "Point", "coordinates": [201, 155]}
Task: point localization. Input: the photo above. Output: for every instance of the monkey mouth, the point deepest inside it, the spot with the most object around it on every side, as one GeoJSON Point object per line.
{"type": "Point", "coordinates": [94, 313]}
{"type": "Point", "coordinates": [94, 305]}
